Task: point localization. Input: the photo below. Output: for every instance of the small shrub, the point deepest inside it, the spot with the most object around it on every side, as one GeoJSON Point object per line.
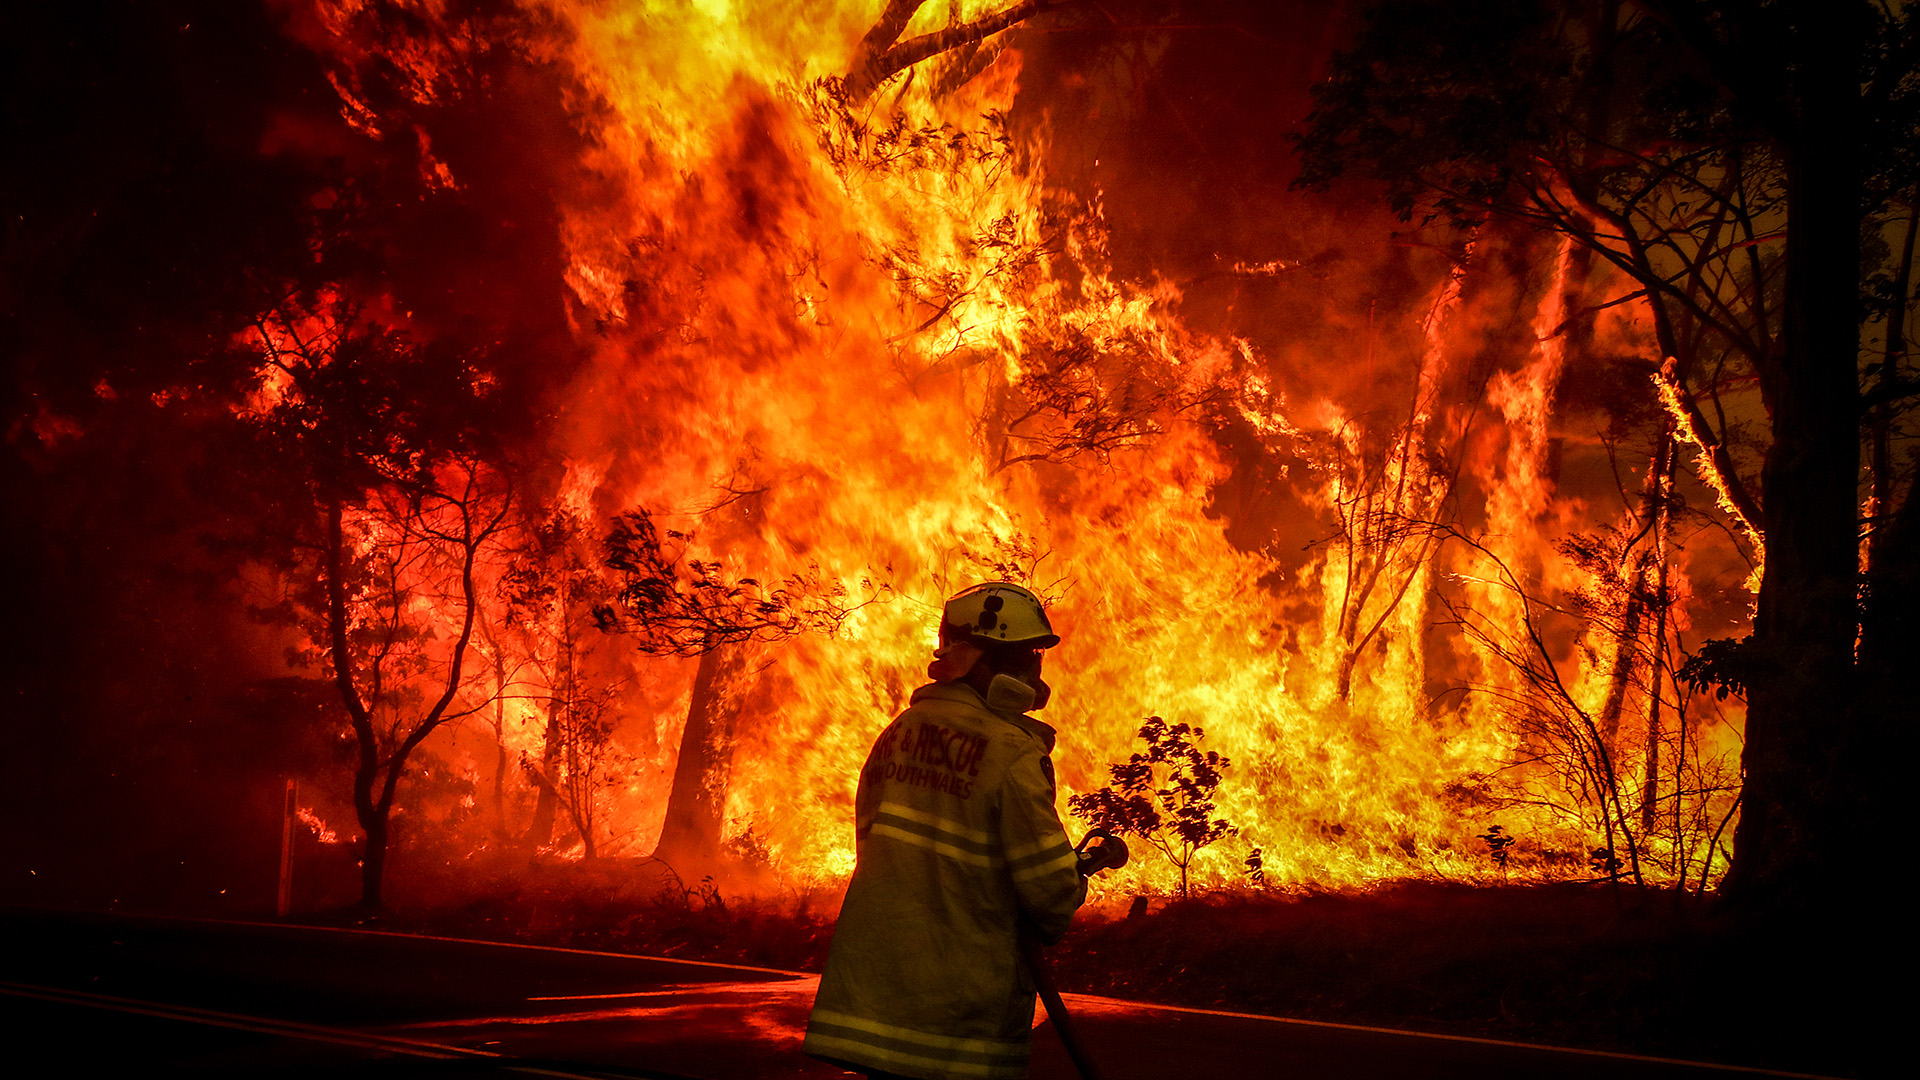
{"type": "Point", "coordinates": [1498, 841]}
{"type": "Point", "coordinates": [1164, 796]}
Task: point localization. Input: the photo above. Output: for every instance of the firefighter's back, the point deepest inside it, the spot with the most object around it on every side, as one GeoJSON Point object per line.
{"type": "Point", "coordinates": [957, 839]}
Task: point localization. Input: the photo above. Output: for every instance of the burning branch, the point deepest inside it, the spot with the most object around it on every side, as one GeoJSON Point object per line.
{"type": "Point", "coordinates": [881, 55]}
{"type": "Point", "coordinates": [1091, 391]}
{"type": "Point", "coordinates": [1389, 497]}
{"type": "Point", "coordinates": [1073, 401]}
{"type": "Point", "coordinates": [1715, 464]}
{"type": "Point", "coordinates": [1563, 734]}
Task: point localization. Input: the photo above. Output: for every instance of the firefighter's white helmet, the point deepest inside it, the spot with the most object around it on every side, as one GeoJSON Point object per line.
{"type": "Point", "coordinates": [998, 613]}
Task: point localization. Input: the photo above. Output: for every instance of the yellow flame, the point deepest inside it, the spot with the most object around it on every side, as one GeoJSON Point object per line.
{"type": "Point", "coordinates": [907, 351]}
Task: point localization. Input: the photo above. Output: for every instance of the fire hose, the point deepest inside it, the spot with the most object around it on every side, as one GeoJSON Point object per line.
{"type": "Point", "coordinates": [1056, 1011]}
{"type": "Point", "coordinates": [1109, 852]}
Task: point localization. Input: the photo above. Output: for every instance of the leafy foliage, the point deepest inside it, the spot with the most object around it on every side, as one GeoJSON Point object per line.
{"type": "Point", "coordinates": [674, 605]}
{"type": "Point", "coordinates": [1165, 796]}
{"type": "Point", "coordinates": [1592, 122]}
{"type": "Point", "coordinates": [348, 404]}
{"type": "Point", "coordinates": [1722, 665]}
{"type": "Point", "coordinates": [1444, 101]}
{"type": "Point", "coordinates": [1498, 840]}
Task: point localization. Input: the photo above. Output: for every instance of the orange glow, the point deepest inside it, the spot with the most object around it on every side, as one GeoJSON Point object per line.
{"type": "Point", "coordinates": [883, 321]}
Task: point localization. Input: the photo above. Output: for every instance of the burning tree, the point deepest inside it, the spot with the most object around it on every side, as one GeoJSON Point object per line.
{"type": "Point", "coordinates": [1718, 162]}
{"type": "Point", "coordinates": [881, 54]}
{"type": "Point", "coordinates": [1389, 494]}
{"type": "Point", "coordinates": [1562, 735]}
{"type": "Point", "coordinates": [550, 591]}
{"type": "Point", "coordinates": [1164, 796]}
{"type": "Point", "coordinates": [399, 508]}
{"type": "Point", "coordinates": [1096, 376]}
{"type": "Point", "coordinates": [673, 605]}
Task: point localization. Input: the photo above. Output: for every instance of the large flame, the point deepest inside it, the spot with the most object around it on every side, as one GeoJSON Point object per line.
{"type": "Point", "coordinates": [871, 339]}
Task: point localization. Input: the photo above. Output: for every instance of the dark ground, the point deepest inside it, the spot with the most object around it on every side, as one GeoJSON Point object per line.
{"type": "Point", "coordinates": [1590, 966]}
{"type": "Point", "coordinates": [117, 994]}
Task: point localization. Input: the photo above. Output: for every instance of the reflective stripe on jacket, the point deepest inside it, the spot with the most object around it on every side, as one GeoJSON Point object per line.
{"type": "Point", "coordinates": [958, 844]}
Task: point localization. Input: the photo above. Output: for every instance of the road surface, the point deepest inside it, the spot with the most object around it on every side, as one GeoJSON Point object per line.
{"type": "Point", "coordinates": [110, 992]}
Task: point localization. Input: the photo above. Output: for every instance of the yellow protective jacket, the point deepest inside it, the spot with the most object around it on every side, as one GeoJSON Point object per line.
{"type": "Point", "coordinates": [958, 844]}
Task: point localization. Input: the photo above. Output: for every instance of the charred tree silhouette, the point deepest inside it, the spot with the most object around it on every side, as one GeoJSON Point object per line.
{"type": "Point", "coordinates": [376, 429]}
{"type": "Point", "coordinates": [673, 605]}
{"type": "Point", "coordinates": [1630, 599]}
{"type": "Point", "coordinates": [504, 670]}
{"type": "Point", "coordinates": [1164, 795]}
{"type": "Point", "coordinates": [421, 534]}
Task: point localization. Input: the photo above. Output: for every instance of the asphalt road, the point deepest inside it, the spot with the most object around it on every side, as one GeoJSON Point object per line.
{"type": "Point", "coordinates": [95, 993]}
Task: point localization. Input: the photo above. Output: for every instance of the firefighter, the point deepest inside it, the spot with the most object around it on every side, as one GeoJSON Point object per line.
{"type": "Point", "coordinates": [959, 852]}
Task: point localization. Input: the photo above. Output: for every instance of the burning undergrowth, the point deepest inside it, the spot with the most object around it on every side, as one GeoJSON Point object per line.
{"type": "Point", "coordinates": [853, 351]}
{"type": "Point", "coordinates": [813, 344]}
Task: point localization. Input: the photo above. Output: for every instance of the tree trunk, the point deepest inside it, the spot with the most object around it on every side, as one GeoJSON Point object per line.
{"type": "Point", "coordinates": [371, 815]}
{"type": "Point", "coordinates": [1790, 847]}
{"type": "Point", "coordinates": [373, 862]}
{"type": "Point", "coordinates": [1660, 499]}
{"type": "Point", "coordinates": [1626, 655]}
{"type": "Point", "coordinates": [500, 758]}
{"type": "Point", "coordinates": [696, 806]}
{"type": "Point", "coordinates": [1889, 644]}
{"type": "Point", "coordinates": [579, 807]}
{"type": "Point", "coordinates": [540, 830]}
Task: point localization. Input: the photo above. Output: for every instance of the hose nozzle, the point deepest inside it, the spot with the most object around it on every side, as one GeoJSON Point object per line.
{"type": "Point", "coordinates": [1100, 850]}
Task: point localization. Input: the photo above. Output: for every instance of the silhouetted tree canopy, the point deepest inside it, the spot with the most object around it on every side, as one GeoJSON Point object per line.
{"type": "Point", "coordinates": [673, 605]}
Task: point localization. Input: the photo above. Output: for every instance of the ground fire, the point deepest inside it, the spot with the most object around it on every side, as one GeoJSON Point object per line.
{"type": "Point", "coordinates": [850, 347]}
{"type": "Point", "coordinates": [570, 417]}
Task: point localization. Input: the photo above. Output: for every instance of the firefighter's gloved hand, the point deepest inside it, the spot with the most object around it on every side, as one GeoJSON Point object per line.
{"type": "Point", "coordinates": [1101, 850]}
